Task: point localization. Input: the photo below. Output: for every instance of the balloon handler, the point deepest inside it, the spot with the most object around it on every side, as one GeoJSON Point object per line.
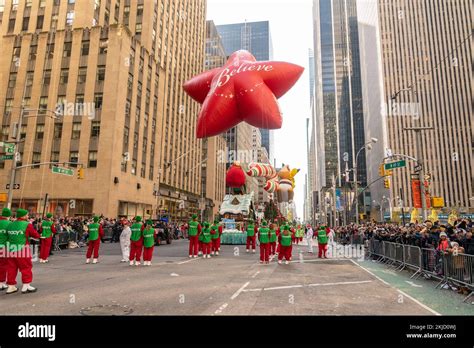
{"type": "Point", "coordinates": [322, 242]}
{"type": "Point", "coordinates": [206, 241]}
{"type": "Point", "coordinates": [19, 258]}
{"type": "Point", "coordinates": [285, 239]}
{"type": "Point", "coordinates": [47, 231]}
{"type": "Point", "coordinates": [136, 242]}
{"type": "Point", "coordinates": [96, 233]}
{"type": "Point", "coordinates": [273, 239]}
{"type": "Point", "coordinates": [4, 222]}
{"type": "Point", "coordinates": [216, 232]}
{"type": "Point", "coordinates": [193, 233]}
{"type": "Point", "coordinates": [252, 231]}
{"type": "Point", "coordinates": [264, 239]}
{"type": "Point", "coordinates": [149, 235]}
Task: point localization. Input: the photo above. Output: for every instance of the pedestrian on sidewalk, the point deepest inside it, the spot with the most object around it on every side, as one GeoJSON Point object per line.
{"type": "Point", "coordinates": [149, 235]}
{"type": "Point", "coordinates": [47, 230]}
{"type": "Point", "coordinates": [125, 241]}
{"type": "Point", "coordinates": [19, 259]}
{"type": "Point", "coordinates": [193, 232]}
{"type": "Point", "coordinates": [136, 242]}
{"type": "Point", "coordinates": [4, 222]}
{"type": "Point", "coordinates": [96, 233]}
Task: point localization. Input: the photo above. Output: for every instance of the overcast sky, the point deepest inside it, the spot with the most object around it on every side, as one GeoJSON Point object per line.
{"type": "Point", "coordinates": [292, 36]}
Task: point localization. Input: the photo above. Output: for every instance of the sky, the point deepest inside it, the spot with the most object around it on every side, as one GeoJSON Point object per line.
{"type": "Point", "coordinates": [292, 35]}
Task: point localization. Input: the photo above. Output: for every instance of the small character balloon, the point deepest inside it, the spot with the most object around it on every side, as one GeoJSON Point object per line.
{"type": "Point", "coordinates": [235, 177]}
{"type": "Point", "coordinates": [242, 90]}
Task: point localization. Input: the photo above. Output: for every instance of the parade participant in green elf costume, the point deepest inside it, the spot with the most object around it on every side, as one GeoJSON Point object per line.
{"type": "Point", "coordinates": [264, 239]}
{"type": "Point", "coordinates": [252, 230]}
{"type": "Point", "coordinates": [206, 241]}
{"type": "Point", "coordinates": [194, 232]}
{"type": "Point", "coordinates": [322, 242]}
{"type": "Point", "coordinates": [216, 232]}
{"type": "Point", "coordinates": [47, 231]}
{"type": "Point", "coordinates": [285, 239]}
{"type": "Point", "coordinates": [4, 222]}
{"type": "Point", "coordinates": [273, 239]}
{"type": "Point", "coordinates": [96, 233]}
{"type": "Point", "coordinates": [19, 257]}
{"type": "Point", "coordinates": [136, 241]}
{"type": "Point", "coordinates": [149, 235]}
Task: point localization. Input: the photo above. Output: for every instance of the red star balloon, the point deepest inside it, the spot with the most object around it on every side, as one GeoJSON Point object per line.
{"type": "Point", "coordinates": [242, 90]}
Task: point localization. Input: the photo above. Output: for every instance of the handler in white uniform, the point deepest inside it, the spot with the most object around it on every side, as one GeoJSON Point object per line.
{"type": "Point", "coordinates": [125, 241]}
{"type": "Point", "coordinates": [309, 239]}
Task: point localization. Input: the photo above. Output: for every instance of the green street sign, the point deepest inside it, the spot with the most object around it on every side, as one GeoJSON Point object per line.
{"type": "Point", "coordinates": [9, 148]}
{"type": "Point", "coordinates": [64, 171]}
{"type": "Point", "coordinates": [6, 157]}
{"type": "Point", "coordinates": [394, 165]}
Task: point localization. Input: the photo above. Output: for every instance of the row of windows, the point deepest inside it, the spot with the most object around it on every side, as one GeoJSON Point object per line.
{"type": "Point", "coordinates": [57, 131]}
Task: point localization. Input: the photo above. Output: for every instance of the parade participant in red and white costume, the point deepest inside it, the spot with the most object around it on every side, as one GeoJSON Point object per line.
{"type": "Point", "coordinates": [96, 233]}
{"type": "Point", "coordinates": [19, 257]}
{"type": "Point", "coordinates": [149, 235]}
{"type": "Point", "coordinates": [273, 239]}
{"type": "Point", "coordinates": [47, 231]}
{"type": "Point", "coordinates": [285, 240]}
{"type": "Point", "coordinates": [4, 222]}
{"type": "Point", "coordinates": [136, 242]}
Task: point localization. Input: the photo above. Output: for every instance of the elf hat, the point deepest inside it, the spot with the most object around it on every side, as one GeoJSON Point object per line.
{"type": "Point", "coordinates": [49, 215]}
{"type": "Point", "coordinates": [21, 213]}
{"type": "Point", "coordinates": [216, 221]}
{"type": "Point", "coordinates": [206, 224]}
{"type": "Point", "coordinates": [138, 218]}
{"type": "Point", "coordinates": [96, 219]}
{"type": "Point", "coordinates": [264, 223]}
{"type": "Point", "coordinates": [6, 212]}
{"type": "Point", "coordinates": [194, 216]}
{"type": "Point", "coordinates": [149, 222]}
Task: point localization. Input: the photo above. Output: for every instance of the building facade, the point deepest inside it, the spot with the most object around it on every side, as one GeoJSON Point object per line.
{"type": "Point", "coordinates": [114, 69]}
{"type": "Point", "coordinates": [338, 102]}
{"type": "Point", "coordinates": [421, 55]}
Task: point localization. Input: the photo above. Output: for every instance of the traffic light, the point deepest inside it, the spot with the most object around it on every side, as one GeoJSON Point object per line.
{"type": "Point", "coordinates": [386, 183]}
{"type": "Point", "coordinates": [381, 170]}
{"type": "Point", "coordinates": [80, 173]}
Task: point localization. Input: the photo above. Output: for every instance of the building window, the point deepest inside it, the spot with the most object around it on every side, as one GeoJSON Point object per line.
{"type": "Point", "coordinates": [82, 75]}
{"type": "Point", "coordinates": [135, 141]}
{"type": "Point", "coordinates": [134, 167]}
{"type": "Point", "coordinates": [12, 80]}
{"type": "Point", "coordinates": [95, 129]}
{"type": "Point", "coordinates": [143, 171]}
{"type": "Point", "coordinates": [67, 49]}
{"type": "Point", "coordinates": [5, 132]}
{"type": "Point", "coordinates": [36, 159]}
{"type": "Point", "coordinates": [58, 131]}
{"type": "Point", "coordinates": [101, 73]}
{"type": "Point", "coordinates": [140, 10]}
{"type": "Point", "coordinates": [42, 3]}
{"type": "Point", "coordinates": [55, 156]}
{"type": "Point", "coordinates": [76, 130]}
{"type": "Point", "coordinates": [26, 22]}
{"type": "Point", "coordinates": [92, 159]}
{"type": "Point", "coordinates": [98, 97]}
{"type": "Point", "coordinates": [39, 22]}
{"type": "Point", "coordinates": [23, 132]}
{"type": "Point", "coordinates": [138, 28]}
{"type": "Point", "coordinates": [54, 21]}
{"type": "Point", "coordinates": [43, 105]}
{"type": "Point", "coordinates": [150, 175]}
{"type": "Point", "coordinates": [69, 18]}
{"type": "Point", "coordinates": [103, 46]}
{"type": "Point", "coordinates": [85, 48]}
{"type": "Point", "coordinates": [39, 131]}
{"type": "Point", "coordinates": [64, 77]}
{"type": "Point", "coordinates": [46, 77]}
{"type": "Point", "coordinates": [74, 158]}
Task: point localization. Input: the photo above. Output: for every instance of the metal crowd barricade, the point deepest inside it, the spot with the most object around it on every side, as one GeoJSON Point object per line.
{"type": "Point", "coordinates": [412, 258]}
{"type": "Point", "coordinates": [458, 269]}
{"type": "Point", "coordinates": [431, 263]}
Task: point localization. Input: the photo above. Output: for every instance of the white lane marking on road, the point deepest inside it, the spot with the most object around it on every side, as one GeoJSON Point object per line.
{"type": "Point", "coordinates": [237, 293]}
{"type": "Point", "coordinates": [221, 308]}
{"type": "Point", "coordinates": [400, 291]}
{"type": "Point", "coordinates": [255, 274]}
{"type": "Point", "coordinates": [174, 274]}
{"type": "Point", "coordinates": [319, 260]}
{"type": "Point", "coordinates": [342, 283]}
{"type": "Point", "coordinates": [250, 290]}
{"type": "Point", "coordinates": [413, 284]}
{"type": "Point", "coordinates": [283, 287]}
{"type": "Point", "coordinates": [193, 259]}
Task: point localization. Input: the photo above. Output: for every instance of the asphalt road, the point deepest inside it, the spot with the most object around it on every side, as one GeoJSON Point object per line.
{"type": "Point", "coordinates": [233, 283]}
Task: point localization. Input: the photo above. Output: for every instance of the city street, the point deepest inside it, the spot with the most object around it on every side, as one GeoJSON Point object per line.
{"type": "Point", "coordinates": [233, 283]}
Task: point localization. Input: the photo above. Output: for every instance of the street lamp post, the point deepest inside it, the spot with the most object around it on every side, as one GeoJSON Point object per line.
{"type": "Point", "coordinates": [356, 186]}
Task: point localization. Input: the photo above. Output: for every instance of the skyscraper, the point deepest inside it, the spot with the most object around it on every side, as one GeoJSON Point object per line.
{"type": "Point", "coordinates": [420, 56]}
{"type": "Point", "coordinates": [338, 95]}
{"type": "Point", "coordinates": [126, 59]}
{"type": "Point", "coordinates": [254, 37]}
